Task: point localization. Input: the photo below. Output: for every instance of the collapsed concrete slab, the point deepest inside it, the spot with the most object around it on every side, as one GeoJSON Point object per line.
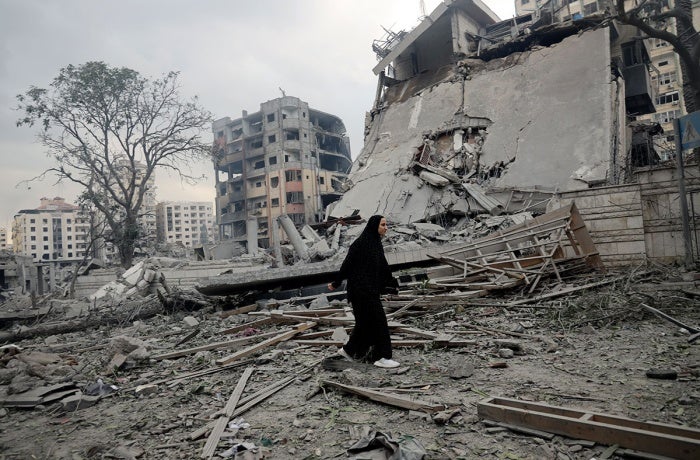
{"type": "Point", "coordinates": [524, 121]}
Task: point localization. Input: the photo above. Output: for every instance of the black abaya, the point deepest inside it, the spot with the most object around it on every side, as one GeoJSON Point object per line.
{"type": "Point", "coordinates": [368, 274]}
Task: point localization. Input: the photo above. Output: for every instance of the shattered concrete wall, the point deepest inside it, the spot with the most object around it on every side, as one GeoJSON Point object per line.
{"type": "Point", "coordinates": [633, 223]}
{"type": "Point", "coordinates": [613, 216]}
{"type": "Point", "coordinates": [663, 228]}
{"type": "Point", "coordinates": [545, 116]}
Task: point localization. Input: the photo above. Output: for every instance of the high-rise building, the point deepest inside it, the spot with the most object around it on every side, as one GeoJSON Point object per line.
{"type": "Point", "coordinates": [55, 231]}
{"type": "Point", "coordinates": [190, 223]}
{"type": "Point", "coordinates": [286, 158]}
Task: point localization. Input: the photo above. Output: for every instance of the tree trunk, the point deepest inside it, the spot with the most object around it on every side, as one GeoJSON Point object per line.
{"type": "Point", "coordinates": [691, 79]}
{"type": "Point", "coordinates": [122, 314]}
{"type": "Point", "coordinates": [126, 240]}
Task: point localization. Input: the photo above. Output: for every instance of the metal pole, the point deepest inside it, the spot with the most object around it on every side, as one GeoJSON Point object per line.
{"type": "Point", "coordinates": [682, 200]}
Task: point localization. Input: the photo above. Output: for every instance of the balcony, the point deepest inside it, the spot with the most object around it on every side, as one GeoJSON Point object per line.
{"type": "Point", "coordinates": [291, 123]}
{"type": "Point", "coordinates": [292, 145]}
{"type": "Point", "coordinates": [232, 217]}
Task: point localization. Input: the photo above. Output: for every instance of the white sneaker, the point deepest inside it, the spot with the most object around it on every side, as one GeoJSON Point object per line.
{"type": "Point", "coordinates": [387, 363]}
{"type": "Point", "coordinates": [344, 354]}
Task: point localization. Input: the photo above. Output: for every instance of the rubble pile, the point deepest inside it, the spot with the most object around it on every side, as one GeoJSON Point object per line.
{"type": "Point", "coordinates": [261, 379]}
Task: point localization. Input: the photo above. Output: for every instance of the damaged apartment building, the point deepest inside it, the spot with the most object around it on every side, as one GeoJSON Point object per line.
{"type": "Point", "coordinates": [285, 159]}
{"type": "Point", "coordinates": [475, 115]}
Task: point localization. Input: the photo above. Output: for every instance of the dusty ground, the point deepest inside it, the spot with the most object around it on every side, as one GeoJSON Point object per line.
{"type": "Point", "coordinates": [598, 346]}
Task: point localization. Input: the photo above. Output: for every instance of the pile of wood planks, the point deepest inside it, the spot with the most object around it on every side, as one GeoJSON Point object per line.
{"type": "Point", "coordinates": [522, 255]}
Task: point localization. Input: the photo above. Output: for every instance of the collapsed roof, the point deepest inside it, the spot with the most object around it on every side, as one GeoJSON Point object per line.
{"type": "Point", "coordinates": [541, 119]}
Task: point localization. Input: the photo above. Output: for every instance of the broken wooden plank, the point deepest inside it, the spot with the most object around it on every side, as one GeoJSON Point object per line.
{"type": "Point", "coordinates": [663, 315]}
{"type": "Point", "coordinates": [289, 318]}
{"type": "Point", "coordinates": [248, 325]}
{"type": "Point", "coordinates": [316, 313]}
{"type": "Point", "coordinates": [398, 313]}
{"type": "Point", "coordinates": [187, 338]}
{"type": "Point", "coordinates": [671, 440]}
{"type": "Point", "coordinates": [562, 292]}
{"type": "Point", "coordinates": [220, 425]}
{"type": "Point", "coordinates": [338, 343]}
{"type": "Point", "coordinates": [386, 398]}
{"type": "Point", "coordinates": [417, 332]}
{"type": "Point", "coordinates": [238, 311]}
{"type": "Point", "coordinates": [522, 430]}
{"type": "Point", "coordinates": [214, 346]}
{"type": "Point", "coordinates": [318, 334]}
{"type": "Point", "coordinates": [246, 404]}
{"type": "Point", "coordinates": [212, 370]}
{"type": "Point", "coordinates": [254, 399]}
{"type": "Point", "coordinates": [266, 343]}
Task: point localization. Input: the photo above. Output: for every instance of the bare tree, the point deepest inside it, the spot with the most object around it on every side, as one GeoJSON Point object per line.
{"type": "Point", "coordinates": [651, 17]}
{"type": "Point", "coordinates": [108, 129]}
{"type": "Point", "coordinates": [96, 233]}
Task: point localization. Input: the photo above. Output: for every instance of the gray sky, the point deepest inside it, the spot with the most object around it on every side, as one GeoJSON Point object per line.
{"type": "Point", "coordinates": [232, 54]}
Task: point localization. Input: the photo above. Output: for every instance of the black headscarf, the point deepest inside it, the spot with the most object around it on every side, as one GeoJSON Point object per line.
{"type": "Point", "coordinates": [365, 267]}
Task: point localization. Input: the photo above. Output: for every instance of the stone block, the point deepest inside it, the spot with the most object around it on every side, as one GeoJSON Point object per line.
{"type": "Point", "coordinates": [134, 274]}
{"type": "Point", "coordinates": [78, 402]}
{"type": "Point", "coordinates": [190, 321]}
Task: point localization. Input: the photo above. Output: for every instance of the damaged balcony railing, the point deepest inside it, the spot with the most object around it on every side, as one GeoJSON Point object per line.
{"type": "Point", "coordinates": [551, 244]}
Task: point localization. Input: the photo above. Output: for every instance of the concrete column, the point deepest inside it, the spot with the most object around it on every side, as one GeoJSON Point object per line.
{"type": "Point", "coordinates": [310, 234]}
{"type": "Point", "coordinates": [276, 243]}
{"type": "Point", "coordinates": [252, 235]}
{"type": "Point", "coordinates": [294, 236]}
{"type": "Point", "coordinates": [52, 278]}
{"type": "Point", "coordinates": [335, 242]}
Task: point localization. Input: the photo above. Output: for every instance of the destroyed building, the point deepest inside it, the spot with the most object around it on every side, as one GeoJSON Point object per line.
{"type": "Point", "coordinates": [286, 158]}
{"type": "Point", "coordinates": [19, 275]}
{"type": "Point", "coordinates": [477, 116]}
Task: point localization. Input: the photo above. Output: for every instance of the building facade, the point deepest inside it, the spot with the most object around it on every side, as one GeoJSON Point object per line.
{"type": "Point", "coordinates": [664, 64]}
{"type": "Point", "coordinates": [55, 231]}
{"type": "Point", "coordinates": [190, 223]}
{"type": "Point", "coordinates": [3, 238]}
{"type": "Point", "coordinates": [286, 158]}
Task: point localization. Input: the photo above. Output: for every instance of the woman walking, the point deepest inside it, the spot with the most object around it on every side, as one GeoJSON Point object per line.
{"type": "Point", "coordinates": [368, 274]}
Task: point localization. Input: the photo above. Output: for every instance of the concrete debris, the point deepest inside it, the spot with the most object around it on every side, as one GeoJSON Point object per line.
{"type": "Point", "coordinates": [447, 340]}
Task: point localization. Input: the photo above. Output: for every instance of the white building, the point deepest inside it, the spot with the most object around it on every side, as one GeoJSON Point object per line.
{"type": "Point", "coordinates": [55, 231]}
{"type": "Point", "coordinates": [190, 223]}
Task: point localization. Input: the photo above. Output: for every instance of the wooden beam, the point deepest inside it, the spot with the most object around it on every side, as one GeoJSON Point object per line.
{"type": "Point", "coordinates": [220, 425]}
{"type": "Point", "coordinates": [212, 370]}
{"type": "Point", "coordinates": [338, 343]}
{"type": "Point", "coordinates": [289, 318]}
{"type": "Point", "coordinates": [214, 346]}
{"type": "Point", "coordinates": [243, 327]}
{"type": "Point", "coordinates": [562, 292]}
{"type": "Point", "coordinates": [257, 397]}
{"type": "Point", "coordinates": [264, 344]}
{"type": "Point", "coordinates": [238, 311]}
{"type": "Point", "coordinates": [398, 313]}
{"type": "Point", "coordinates": [386, 398]}
{"type": "Point", "coordinates": [671, 440]}
{"type": "Point", "coordinates": [315, 313]}
{"type": "Point", "coordinates": [663, 315]}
